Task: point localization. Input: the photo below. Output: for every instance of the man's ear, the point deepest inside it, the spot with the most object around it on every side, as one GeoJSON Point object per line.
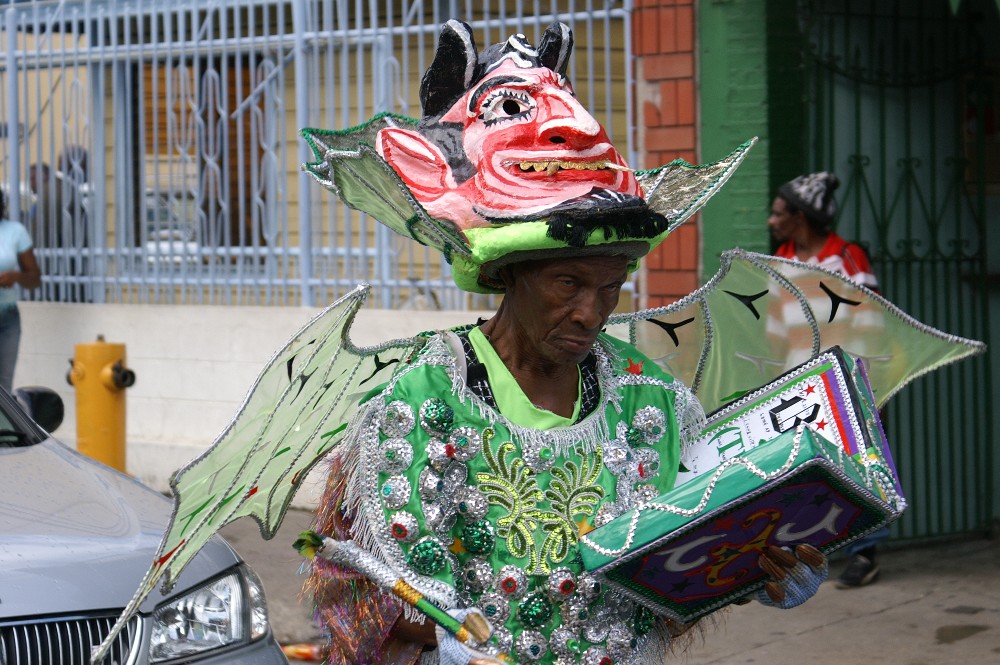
{"type": "Point", "coordinates": [418, 161]}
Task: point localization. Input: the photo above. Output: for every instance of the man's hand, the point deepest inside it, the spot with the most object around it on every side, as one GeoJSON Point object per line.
{"type": "Point", "coordinates": [795, 578]}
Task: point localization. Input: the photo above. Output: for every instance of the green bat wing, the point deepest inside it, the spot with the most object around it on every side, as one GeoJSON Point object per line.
{"type": "Point", "coordinates": [760, 316]}
{"type": "Point", "coordinates": [294, 414]}
{"type": "Point", "coordinates": [348, 166]}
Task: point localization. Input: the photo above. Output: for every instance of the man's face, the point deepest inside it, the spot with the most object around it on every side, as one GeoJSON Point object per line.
{"type": "Point", "coordinates": [533, 144]}
{"type": "Point", "coordinates": [560, 305]}
{"type": "Point", "coordinates": [781, 223]}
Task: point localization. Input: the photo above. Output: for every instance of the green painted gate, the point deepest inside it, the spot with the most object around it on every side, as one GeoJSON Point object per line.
{"type": "Point", "coordinates": [902, 104]}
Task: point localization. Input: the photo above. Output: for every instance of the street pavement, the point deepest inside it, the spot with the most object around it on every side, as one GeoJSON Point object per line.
{"type": "Point", "coordinates": [932, 605]}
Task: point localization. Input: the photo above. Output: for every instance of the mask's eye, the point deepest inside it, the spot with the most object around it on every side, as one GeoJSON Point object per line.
{"type": "Point", "coordinates": [503, 105]}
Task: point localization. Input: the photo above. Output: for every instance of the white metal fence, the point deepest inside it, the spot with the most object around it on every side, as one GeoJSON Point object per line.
{"type": "Point", "coordinates": [170, 133]}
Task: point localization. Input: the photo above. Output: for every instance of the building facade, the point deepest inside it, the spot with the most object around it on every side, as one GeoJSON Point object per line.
{"type": "Point", "coordinates": [171, 130]}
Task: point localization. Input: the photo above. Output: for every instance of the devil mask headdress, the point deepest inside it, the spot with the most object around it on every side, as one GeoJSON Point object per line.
{"type": "Point", "coordinates": [506, 164]}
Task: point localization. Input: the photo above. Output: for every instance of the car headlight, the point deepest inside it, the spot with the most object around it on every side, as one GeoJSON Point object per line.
{"type": "Point", "coordinates": [226, 611]}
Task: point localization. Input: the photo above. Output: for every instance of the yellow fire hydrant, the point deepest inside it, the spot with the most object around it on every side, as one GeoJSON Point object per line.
{"type": "Point", "coordinates": [99, 374]}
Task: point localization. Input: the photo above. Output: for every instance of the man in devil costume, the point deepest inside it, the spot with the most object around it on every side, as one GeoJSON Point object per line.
{"type": "Point", "coordinates": [476, 469]}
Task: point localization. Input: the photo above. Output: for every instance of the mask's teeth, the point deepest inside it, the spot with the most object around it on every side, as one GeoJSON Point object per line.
{"type": "Point", "coordinates": [552, 167]}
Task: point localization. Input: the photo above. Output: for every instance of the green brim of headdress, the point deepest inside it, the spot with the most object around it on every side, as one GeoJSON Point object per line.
{"type": "Point", "coordinates": [348, 166]}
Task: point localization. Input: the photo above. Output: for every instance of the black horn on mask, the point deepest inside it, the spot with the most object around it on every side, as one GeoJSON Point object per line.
{"type": "Point", "coordinates": [555, 48]}
{"type": "Point", "coordinates": [453, 70]}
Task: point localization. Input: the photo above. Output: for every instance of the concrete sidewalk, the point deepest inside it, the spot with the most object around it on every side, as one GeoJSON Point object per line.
{"type": "Point", "coordinates": [933, 605]}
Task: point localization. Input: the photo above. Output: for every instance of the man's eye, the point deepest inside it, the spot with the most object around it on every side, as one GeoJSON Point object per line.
{"type": "Point", "coordinates": [505, 105]}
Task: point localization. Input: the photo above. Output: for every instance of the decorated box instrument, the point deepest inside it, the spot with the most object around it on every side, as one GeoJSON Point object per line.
{"type": "Point", "coordinates": [801, 460]}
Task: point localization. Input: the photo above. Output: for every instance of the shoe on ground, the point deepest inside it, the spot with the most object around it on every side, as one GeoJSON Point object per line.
{"type": "Point", "coordinates": [860, 571]}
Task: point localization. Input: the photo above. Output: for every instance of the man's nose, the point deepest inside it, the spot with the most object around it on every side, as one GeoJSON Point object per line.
{"type": "Point", "coordinates": [589, 311]}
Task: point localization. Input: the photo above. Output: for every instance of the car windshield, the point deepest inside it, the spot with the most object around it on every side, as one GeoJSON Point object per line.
{"type": "Point", "coordinates": [11, 433]}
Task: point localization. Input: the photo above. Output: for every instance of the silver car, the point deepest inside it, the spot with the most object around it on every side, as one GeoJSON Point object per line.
{"type": "Point", "coordinates": [76, 538]}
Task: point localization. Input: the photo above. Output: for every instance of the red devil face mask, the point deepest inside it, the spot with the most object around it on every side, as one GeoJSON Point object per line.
{"type": "Point", "coordinates": [513, 143]}
{"type": "Point", "coordinates": [506, 165]}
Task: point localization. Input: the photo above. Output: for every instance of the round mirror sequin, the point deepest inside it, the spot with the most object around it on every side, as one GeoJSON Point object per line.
{"type": "Point", "coordinates": [564, 641]}
{"type": "Point", "coordinates": [395, 455]}
{"type": "Point", "coordinates": [395, 492]}
{"type": "Point", "coordinates": [430, 485]}
{"type": "Point", "coordinates": [436, 417]}
{"type": "Point", "coordinates": [495, 607]}
{"type": "Point", "coordinates": [539, 454]}
{"type": "Point", "coordinates": [531, 645]}
{"type": "Point", "coordinates": [403, 527]}
{"type": "Point", "coordinates": [464, 443]}
{"type": "Point", "coordinates": [472, 504]}
{"type": "Point", "coordinates": [478, 574]}
{"type": "Point", "coordinates": [561, 584]}
{"type": "Point", "coordinates": [437, 456]}
{"type": "Point", "coordinates": [651, 421]}
{"type": "Point", "coordinates": [426, 556]}
{"type": "Point", "coordinates": [512, 581]}
{"type": "Point", "coordinates": [397, 419]}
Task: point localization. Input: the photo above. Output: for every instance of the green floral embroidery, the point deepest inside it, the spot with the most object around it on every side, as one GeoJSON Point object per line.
{"type": "Point", "coordinates": [572, 491]}
{"type": "Point", "coordinates": [511, 484]}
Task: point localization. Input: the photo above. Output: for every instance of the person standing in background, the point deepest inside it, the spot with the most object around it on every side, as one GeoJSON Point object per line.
{"type": "Point", "coordinates": [18, 266]}
{"type": "Point", "coordinates": [801, 222]}
{"type": "Point", "coordinates": [73, 179]}
{"type": "Point", "coordinates": [46, 213]}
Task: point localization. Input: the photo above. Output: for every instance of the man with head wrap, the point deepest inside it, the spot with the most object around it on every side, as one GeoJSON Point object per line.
{"type": "Point", "coordinates": [801, 222]}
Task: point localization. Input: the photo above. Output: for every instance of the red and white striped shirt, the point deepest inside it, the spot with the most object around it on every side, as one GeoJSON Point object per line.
{"type": "Point", "coordinates": [838, 255]}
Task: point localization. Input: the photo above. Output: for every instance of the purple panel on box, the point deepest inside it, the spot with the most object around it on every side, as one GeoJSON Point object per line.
{"type": "Point", "coordinates": [719, 556]}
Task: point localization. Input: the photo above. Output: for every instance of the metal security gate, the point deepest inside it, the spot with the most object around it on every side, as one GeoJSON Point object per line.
{"type": "Point", "coordinates": [903, 109]}
{"type": "Point", "coordinates": [168, 132]}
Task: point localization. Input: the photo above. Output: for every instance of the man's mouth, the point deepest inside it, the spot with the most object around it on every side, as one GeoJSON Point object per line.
{"type": "Point", "coordinates": [553, 166]}
{"type": "Point", "coordinates": [579, 344]}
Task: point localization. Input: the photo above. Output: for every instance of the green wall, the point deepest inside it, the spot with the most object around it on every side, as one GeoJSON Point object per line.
{"type": "Point", "coordinates": [750, 84]}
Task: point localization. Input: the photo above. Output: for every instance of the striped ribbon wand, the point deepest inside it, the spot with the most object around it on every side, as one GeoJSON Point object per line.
{"type": "Point", "coordinates": [474, 631]}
